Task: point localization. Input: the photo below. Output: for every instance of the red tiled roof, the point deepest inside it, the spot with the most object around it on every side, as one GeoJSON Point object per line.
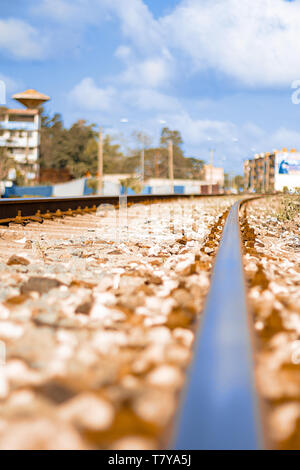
{"type": "Point", "coordinates": [30, 112]}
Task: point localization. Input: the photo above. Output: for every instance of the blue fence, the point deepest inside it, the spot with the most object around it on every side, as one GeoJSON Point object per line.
{"type": "Point", "coordinates": [47, 191]}
{"type": "Point", "coordinates": [21, 191]}
{"type": "Point", "coordinates": [130, 192]}
{"type": "Point", "coordinates": [87, 191]}
{"type": "Point", "coordinates": [179, 189]}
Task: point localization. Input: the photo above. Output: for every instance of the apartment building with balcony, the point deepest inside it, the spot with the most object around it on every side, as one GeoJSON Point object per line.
{"type": "Point", "coordinates": [271, 172]}
{"type": "Point", "coordinates": [20, 133]}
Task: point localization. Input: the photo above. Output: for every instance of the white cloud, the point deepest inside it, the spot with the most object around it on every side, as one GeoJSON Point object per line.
{"type": "Point", "coordinates": [87, 96]}
{"type": "Point", "coordinates": [138, 24]}
{"type": "Point", "coordinates": [70, 11]}
{"type": "Point", "coordinates": [123, 52]}
{"type": "Point", "coordinates": [152, 72]}
{"type": "Point", "coordinates": [20, 40]}
{"type": "Point", "coordinates": [59, 10]}
{"type": "Point", "coordinates": [283, 137]}
{"type": "Point", "coordinates": [199, 131]}
{"type": "Point", "coordinates": [136, 20]}
{"type": "Point", "coordinates": [254, 41]}
{"type": "Point", "coordinates": [146, 99]}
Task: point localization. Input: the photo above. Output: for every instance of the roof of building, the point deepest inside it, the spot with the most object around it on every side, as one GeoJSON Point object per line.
{"type": "Point", "coordinates": [31, 98]}
{"type": "Point", "coordinates": [31, 94]}
{"type": "Point", "coordinates": [30, 112]}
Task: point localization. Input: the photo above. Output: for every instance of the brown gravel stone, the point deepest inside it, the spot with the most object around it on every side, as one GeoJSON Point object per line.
{"type": "Point", "coordinates": [39, 284]}
{"type": "Point", "coordinates": [14, 259]}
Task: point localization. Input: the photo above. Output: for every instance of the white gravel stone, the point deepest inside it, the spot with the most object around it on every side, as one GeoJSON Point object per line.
{"type": "Point", "coordinates": [134, 443]}
{"type": "Point", "coordinates": [165, 376]}
{"type": "Point", "coordinates": [40, 434]}
{"type": "Point", "coordinates": [109, 341]}
{"type": "Point", "coordinates": [88, 411]}
{"type": "Point", "coordinates": [9, 330]}
{"type": "Point", "coordinates": [4, 386]}
{"type": "Point", "coordinates": [283, 421]}
{"type": "Point", "coordinates": [183, 335]}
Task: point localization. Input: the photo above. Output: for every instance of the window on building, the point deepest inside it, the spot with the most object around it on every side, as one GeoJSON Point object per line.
{"type": "Point", "coordinates": [21, 118]}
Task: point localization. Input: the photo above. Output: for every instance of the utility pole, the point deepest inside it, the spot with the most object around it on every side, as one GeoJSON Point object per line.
{"type": "Point", "coordinates": [143, 165]}
{"type": "Point", "coordinates": [156, 164]}
{"type": "Point", "coordinates": [267, 185]}
{"type": "Point", "coordinates": [211, 170]}
{"type": "Point", "coordinates": [100, 161]}
{"type": "Point", "coordinates": [171, 170]}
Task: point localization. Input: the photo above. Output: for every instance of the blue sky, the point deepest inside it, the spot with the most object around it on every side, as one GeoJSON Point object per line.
{"type": "Point", "coordinates": [220, 71]}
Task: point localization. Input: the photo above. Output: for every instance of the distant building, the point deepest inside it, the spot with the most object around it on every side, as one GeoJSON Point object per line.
{"type": "Point", "coordinates": [20, 132]}
{"type": "Point", "coordinates": [271, 172]}
{"type": "Point", "coordinates": [213, 175]}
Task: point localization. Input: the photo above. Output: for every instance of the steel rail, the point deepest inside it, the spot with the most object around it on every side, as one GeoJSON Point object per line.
{"type": "Point", "coordinates": [28, 207]}
{"type": "Point", "coordinates": [220, 406]}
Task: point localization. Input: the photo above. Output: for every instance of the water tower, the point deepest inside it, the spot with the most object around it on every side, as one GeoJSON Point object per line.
{"type": "Point", "coordinates": [32, 99]}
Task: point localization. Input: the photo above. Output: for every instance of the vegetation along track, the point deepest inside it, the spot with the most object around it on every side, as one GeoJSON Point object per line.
{"type": "Point", "coordinates": [98, 313]}
{"type": "Point", "coordinates": [272, 262]}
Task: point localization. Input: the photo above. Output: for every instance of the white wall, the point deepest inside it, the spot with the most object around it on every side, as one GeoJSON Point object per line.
{"type": "Point", "coordinates": [292, 179]}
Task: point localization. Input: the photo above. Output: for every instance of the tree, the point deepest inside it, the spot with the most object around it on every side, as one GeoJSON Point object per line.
{"type": "Point", "coordinates": [143, 139]}
{"type": "Point", "coordinates": [167, 134]}
{"type": "Point", "coordinates": [113, 158]}
{"type": "Point", "coordinates": [53, 136]}
{"type": "Point", "coordinates": [76, 149]}
{"type": "Point", "coordinates": [132, 183]}
{"type": "Point", "coordinates": [238, 183]}
{"type": "Point", "coordinates": [65, 148]}
{"type": "Point", "coordinates": [194, 167]}
{"type": "Point", "coordinates": [227, 183]}
{"type": "Point", "coordinates": [75, 144]}
{"type": "Point", "coordinates": [6, 163]}
{"type": "Point", "coordinates": [183, 167]}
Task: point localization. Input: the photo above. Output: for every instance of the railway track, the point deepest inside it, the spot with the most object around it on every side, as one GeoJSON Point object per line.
{"type": "Point", "coordinates": [99, 311]}
{"type": "Point", "coordinates": [21, 210]}
{"type": "Point", "coordinates": [221, 406]}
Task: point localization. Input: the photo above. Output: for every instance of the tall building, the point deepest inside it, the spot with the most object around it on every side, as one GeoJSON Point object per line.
{"type": "Point", "coordinates": [20, 133]}
{"type": "Point", "coordinates": [271, 172]}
